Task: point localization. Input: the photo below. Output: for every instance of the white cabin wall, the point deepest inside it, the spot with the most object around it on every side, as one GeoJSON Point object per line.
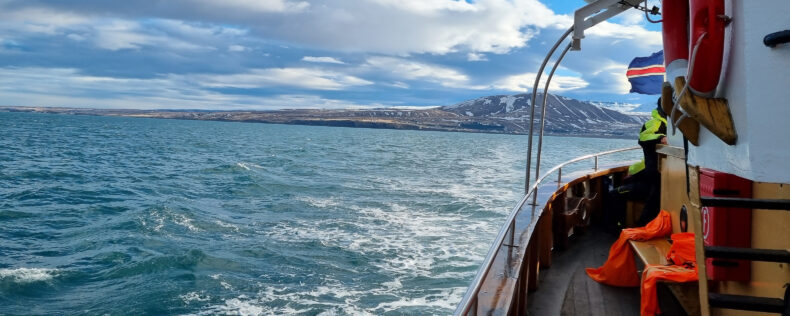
{"type": "Point", "coordinates": [757, 87]}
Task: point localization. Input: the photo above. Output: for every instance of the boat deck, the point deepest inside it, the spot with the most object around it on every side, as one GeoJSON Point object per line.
{"type": "Point", "coordinates": [565, 289]}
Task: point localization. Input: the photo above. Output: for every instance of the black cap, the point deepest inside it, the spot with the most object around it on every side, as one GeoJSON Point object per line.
{"type": "Point", "coordinates": [660, 109]}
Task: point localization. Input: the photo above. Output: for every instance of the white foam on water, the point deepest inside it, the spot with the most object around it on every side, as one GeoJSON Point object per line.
{"type": "Point", "coordinates": [248, 165]}
{"type": "Point", "coordinates": [227, 225]}
{"type": "Point", "coordinates": [236, 306]}
{"type": "Point", "coordinates": [410, 241]}
{"type": "Point", "coordinates": [446, 299]}
{"type": "Point", "coordinates": [28, 275]}
{"type": "Point", "coordinates": [269, 301]}
{"type": "Point", "coordinates": [184, 221]}
{"type": "Point", "coordinates": [226, 285]}
{"type": "Point", "coordinates": [319, 202]}
{"type": "Point", "coordinates": [155, 221]}
{"type": "Point", "coordinates": [194, 297]}
{"type": "Point", "coordinates": [160, 220]}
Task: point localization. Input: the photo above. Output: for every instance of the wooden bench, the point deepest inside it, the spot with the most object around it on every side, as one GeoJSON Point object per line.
{"type": "Point", "coordinates": [654, 252]}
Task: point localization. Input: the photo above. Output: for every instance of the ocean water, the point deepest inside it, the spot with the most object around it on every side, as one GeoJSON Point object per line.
{"type": "Point", "coordinates": [112, 215]}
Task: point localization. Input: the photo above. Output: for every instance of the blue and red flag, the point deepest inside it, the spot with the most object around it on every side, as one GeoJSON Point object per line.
{"type": "Point", "coordinates": [646, 74]}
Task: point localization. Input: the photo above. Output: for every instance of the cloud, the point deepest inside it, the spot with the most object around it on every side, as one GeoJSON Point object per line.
{"type": "Point", "coordinates": [237, 48]}
{"type": "Point", "coordinates": [306, 78]}
{"type": "Point", "coordinates": [476, 57]}
{"type": "Point", "coordinates": [635, 34]}
{"type": "Point", "coordinates": [610, 78]}
{"type": "Point", "coordinates": [412, 70]}
{"type": "Point", "coordinates": [632, 17]}
{"type": "Point", "coordinates": [401, 85]}
{"type": "Point", "coordinates": [330, 60]}
{"type": "Point", "coordinates": [69, 87]}
{"type": "Point", "coordinates": [263, 6]}
{"type": "Point", "coordinates": [392, 51]}
{"type": "Point", "coordinates": [525, 82]}
{"type": "Point", "coordinates": [379, 26]}
{"type": "Point", "coordinates": [39, 19]}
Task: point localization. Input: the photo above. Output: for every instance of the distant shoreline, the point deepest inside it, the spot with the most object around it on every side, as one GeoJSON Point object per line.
{"type": "Point", "coordinates": [313, 117]}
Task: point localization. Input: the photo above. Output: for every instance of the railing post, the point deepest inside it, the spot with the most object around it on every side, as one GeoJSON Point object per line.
{"type": "Point", "coordinates": [596, 163]}
{"type": "Point", "coordinates": [559, 177]}
{"type": "Point", "coordinates": [512, 233]}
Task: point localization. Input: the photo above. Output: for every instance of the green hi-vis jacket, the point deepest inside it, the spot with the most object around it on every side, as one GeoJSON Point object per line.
{"type": "Point", "coordinates": [652, 130]}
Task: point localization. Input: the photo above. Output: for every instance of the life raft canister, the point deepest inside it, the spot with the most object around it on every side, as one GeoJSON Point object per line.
{"type": "Point", "coordinates": [707, 17]}
{"type": "Point", "coordinates": [675, 36]}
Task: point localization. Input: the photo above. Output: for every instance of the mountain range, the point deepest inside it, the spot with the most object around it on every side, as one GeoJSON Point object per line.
{"type": "Point", "coordinates": [492, 114]}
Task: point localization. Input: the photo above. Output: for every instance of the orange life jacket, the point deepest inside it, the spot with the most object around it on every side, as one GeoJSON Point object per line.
{"type": "Point", "coordinates": [684, 269]}
{"type": "Point", "coordinates": [620, 267]}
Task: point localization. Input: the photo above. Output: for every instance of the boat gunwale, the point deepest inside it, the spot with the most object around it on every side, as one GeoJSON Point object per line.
{"type": "Point", "coordinates": [470, 298]}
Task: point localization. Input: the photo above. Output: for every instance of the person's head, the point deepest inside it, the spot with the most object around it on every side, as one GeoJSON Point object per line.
{"type": "Point", "coordinates": [660, 109]}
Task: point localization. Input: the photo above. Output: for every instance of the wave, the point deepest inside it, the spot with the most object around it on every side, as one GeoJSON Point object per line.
{"type": "Point", "coordinates": [28, 275]}
{"type": "Point", "coordinates": [335, 300]}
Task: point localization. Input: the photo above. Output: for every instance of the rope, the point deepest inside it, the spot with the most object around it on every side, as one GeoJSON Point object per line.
{"type": "Point", "coordinates": [685, 86]}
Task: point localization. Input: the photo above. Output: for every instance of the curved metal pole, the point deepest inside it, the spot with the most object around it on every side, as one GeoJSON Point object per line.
{"type": "Point", "coordinates": [534, 96]}
{"type": "Point", "coordinates": [543, 116]}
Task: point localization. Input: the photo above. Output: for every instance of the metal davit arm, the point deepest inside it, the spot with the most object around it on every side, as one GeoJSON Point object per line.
{"type": "Point", "coordinates": [532, 104]}
{"type": "Point", "coordinates": [596, 12]}
{"type": "Point", "coordinates": [543, 117]}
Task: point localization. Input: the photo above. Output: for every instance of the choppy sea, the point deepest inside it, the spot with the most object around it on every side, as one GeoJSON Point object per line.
{"type": "Point", "coordinates": [115, 215]}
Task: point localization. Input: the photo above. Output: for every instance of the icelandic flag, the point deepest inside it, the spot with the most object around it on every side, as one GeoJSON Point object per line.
{"type": "Point", "coordinates": [646, 74]}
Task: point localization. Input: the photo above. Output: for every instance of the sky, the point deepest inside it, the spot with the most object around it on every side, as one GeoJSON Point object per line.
{"type": "Point", "coordinates": [276, 54]}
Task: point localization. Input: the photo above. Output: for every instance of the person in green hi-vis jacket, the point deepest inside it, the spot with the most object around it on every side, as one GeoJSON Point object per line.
{"type": "Point", "coordinates": [644, 180]}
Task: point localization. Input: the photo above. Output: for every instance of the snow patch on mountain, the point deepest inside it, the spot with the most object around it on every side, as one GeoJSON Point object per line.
{"type": "Point", "coordinates": [509, 101]}
{"type": "Point", "coordinates": [622, 107]}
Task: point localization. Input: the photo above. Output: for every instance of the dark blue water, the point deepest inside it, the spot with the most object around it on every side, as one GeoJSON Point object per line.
{"type": "Point", "coordinates": [143, 216]}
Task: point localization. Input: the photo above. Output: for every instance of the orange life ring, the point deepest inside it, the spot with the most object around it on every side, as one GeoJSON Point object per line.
{"type": "Point", "coordinates": [707, 36]}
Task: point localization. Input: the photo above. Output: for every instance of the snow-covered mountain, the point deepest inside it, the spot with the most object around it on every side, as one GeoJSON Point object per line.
{"type": "Point", "coordinates": [563, 115]}
{"type": "Point", "coordinates": [622, 107]}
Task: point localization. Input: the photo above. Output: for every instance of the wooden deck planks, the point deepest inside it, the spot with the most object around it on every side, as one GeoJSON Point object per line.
{"type": "Point", "coordinates": [565, 289]}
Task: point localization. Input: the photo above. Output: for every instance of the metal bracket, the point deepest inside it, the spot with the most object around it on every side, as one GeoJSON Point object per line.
{"type": "Point", "coordinates": [594, 13]}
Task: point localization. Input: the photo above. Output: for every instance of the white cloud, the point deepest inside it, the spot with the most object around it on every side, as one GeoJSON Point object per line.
{"type": "Point", "coordinates": [394, 27]}
{"type": "Point", "coordinates": [632, 17]}
{"type": "Point", "coordinates": [260, 6]}
{"type": "Point", "coordinates": [611, 78]}
{"type": "Point", "coordinates": [68, 87]}
{"type": "Point", "coordinates": [427, 6]}
{"type": "Point", "coordinates": [635, 34]}
{"type": "Point", "coordinates": [121, 35]}
{"type": "Point", "coordinates": [39, 20]}
{"type": "Point", "coordinates": [476, 57]}
{"type": "Point", "coordinates": [293, 77]}
{"type": "Point", "coordinates": [330, 60]}
{"type": "Point", "coordinates": [401, 85]}
{"type": "Point", "coordinates": [76, 37]}
{"type": "Point", "coordinates": [412, 70]}
{"type": "Point", "coordinates": [181, 35]}
{"type": "Point", "coordinates": [413, 26]}
{"type": "Point", "coordinates": [237, 48]}
{"type": "Point", "coordinates": [524, 83]}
